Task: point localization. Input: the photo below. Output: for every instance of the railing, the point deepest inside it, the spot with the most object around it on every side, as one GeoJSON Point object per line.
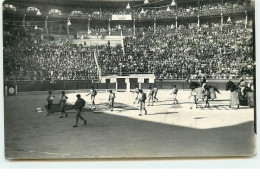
{"type": "Point", "coordinates": [129, 32]}
{"type": "Point", "coordinates": [170, 15]}
{"type": "Point", "coordinates": [149, 16]}
{"type": "Point", "coordinates": [126, 73]}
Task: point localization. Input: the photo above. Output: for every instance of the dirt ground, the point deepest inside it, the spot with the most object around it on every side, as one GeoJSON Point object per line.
{"type": "Point", "coordinates": [168, 130]}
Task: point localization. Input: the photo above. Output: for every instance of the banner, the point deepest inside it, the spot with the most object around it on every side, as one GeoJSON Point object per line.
{"type": "Point", "coordinates": [122, 17]}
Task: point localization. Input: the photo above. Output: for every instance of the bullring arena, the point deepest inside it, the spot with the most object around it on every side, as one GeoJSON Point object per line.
{"type": "Point", "coordinates": [190, 48]}
{"type": "Point", "coordinates": [168, 130]}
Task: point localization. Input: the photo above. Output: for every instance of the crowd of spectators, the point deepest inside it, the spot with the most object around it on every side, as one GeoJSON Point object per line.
{"type": "Point", "coordinates": [179, 55]}
{"type": "Point", "coordinates": [27, 59]}
{"type": "Point", "coordinates": [209, 8]}
{"type": "Point", "coordinates": [167, 54]}
{"type": "Point", "coordinates": [139, 12]}
{"type": "Point", "coordinates": [182, 10]}
{"type": "Point", "coordinates": [127, 29]}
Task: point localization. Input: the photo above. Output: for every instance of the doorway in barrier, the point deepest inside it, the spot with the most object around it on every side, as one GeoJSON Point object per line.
{"type": "Point", "coordinates": [133, 83]}
{"type": "Point", "coordinates": [121, 84]}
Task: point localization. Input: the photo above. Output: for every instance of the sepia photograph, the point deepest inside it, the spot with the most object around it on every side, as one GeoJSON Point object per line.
{"type": "Point", "coordinates": [129, 79]}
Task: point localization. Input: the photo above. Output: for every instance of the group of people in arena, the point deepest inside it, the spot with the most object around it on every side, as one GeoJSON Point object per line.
{"type": "Point", "coordinates": [203, 92]}
{"type": "Point", "coordinates": [79, 104]}
{"type": "Point", "coordinates": [140, 98]}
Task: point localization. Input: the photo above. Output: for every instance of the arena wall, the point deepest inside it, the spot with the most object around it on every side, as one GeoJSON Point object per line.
{"type": "Point", "coordinates": [38, 86]}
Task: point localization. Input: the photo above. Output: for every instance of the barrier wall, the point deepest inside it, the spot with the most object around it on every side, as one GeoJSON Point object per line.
{"type": "Point", "coordinates": [183, 84]}
{"type": "Point", "coordinates": [27, 86]}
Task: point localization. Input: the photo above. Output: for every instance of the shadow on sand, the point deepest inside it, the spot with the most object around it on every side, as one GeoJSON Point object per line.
{"type": "Point", "coordinates": [114, 136]}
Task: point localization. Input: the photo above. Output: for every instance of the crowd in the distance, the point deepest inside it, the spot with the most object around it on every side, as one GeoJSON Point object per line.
{"type": "Point", "coordinates": [203, 8]}
{"type": "Point", "coordinates": [140, 12]}
{"type": "Point", "coordinates": [27, 59]}
{"type": "Point", "coordinates": [178, 55]}
{"type": "Point", "coordinates": [169, 55]}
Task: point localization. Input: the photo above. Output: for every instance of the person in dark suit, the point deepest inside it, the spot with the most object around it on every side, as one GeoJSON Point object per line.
{"type": "Point", "coordinates": [79, 105]}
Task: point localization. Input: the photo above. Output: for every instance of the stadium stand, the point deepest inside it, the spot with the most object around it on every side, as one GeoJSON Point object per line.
{"type": "Point", "coordinates": [194, 39]}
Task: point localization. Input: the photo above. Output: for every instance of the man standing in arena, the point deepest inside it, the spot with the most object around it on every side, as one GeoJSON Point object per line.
{"type": "Point", "coordinates": [155, 90]}
{"type": "Point", "coordinates": [111, 99]}
{"type": "Point", "coordinates": [50, 99]}
{"type": "Point", "coordinates": [141, 100]}
{"type": "Point", "coordinates": [93, 94]}
{"type": "Point", "coordinates": [136, 91]}
{"type": "Point", "coordinates": [174, 93]}
{"type": "Point", "coordinates": [207, 96]}
{"type": "Point", "coordinates": [204, 81]}
{"type": "Point", "coordinates": [150, 96]}
{"type": "Point", "coordinates": [63, 100]}
{"type": "Point", "coordinates": [193, 94]}
{"type": "Point", "coordinates": [242, 86]}
{"type": "Point", "coordinates": [79, 105]}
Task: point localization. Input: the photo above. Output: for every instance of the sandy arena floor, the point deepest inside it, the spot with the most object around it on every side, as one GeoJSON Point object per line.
{"type": "Point", "coordinates": [168, 130]}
